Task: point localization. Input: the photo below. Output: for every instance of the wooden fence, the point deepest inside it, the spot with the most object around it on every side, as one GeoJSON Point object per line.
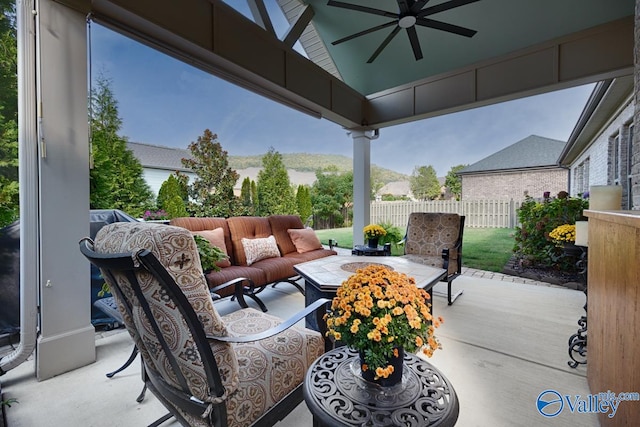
{"type": "Point", "coordinates": [478, 213]}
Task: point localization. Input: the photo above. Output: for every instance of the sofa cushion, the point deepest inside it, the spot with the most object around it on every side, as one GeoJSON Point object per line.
{"type": "Point", "coordinates": [304, 239]}
{"type": "Point", "coordinates": [246, 227]}
{"type": "Point", "coordinates": [297, 258]}
{"type": "Point", "coordinates": [216, 278]}
{"type": "Point", "coordinates": [260, 248]}
{"type": "Point", "coordinates": [277, 269]}
{"type": "Point", "coordinates": [216, 238]}
{"type": "Point", "coordinates": [207, 223]}
{"type": "Point", "coordinates": [279, 226]}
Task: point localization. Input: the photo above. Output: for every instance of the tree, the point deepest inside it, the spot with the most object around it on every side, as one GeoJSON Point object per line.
{"type": "Point", "coordinates": [116, 180]}
{"type": "Point", "coordinates": [453, 181]}
{"type": "Point", "coordinates": [424, 183]}
{"type": "Point", "coordinates": [303, 202]}
{"type": "Point", "coordinates": [376, 181]}
{"type": "Point", "coordinates": [212, 190]}
{"type": "Point", "coordinates": [332, 196]}
{"type": "Point", "coordinates": [9, 189]}
{"type": "Point", "coordinates": [175, 207]}
{"type": "Point", "coordinates": [246, 198]}
{"type": "Point", "coordinates": [254, 195]}
{"type": "Point", "coordinates": [275, 194]}
{"type": "Point", "coordinates": [171, 197]}
{"type": "Point", "coordinates": [183, 182]}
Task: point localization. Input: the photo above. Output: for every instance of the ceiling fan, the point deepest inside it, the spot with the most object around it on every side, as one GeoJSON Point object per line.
{"type": "Point", "coordinates": [410, 14]}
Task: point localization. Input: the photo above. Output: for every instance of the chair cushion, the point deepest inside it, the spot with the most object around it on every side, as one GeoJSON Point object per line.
{"type": "Point", "coordinates": [260, 248]}
{"type": "Point", "coordinates": [270, 368]}
{"type": "Point", "coordinates": [176, 250]}
{"type": "Point", "coordinates": [305, 239]}
{"type": "Point", "coordinates": [428, 234]}
{"type": "Point", "coordinates": [216, 238]}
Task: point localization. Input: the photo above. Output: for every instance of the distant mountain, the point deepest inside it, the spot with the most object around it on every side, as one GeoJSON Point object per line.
{"type": "Point", "coordinates": [305, 162]}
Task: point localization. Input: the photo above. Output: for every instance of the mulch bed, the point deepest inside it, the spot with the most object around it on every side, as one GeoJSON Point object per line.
{"type": "Point", "coordinates": [555, 277]}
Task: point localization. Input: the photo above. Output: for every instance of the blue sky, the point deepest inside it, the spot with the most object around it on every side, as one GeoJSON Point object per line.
{"type": "Point", "coordinates": [164, 102]}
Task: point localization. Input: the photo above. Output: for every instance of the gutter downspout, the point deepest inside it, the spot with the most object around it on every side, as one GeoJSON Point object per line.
{"type": "Point", "coordinates": [26, 16]}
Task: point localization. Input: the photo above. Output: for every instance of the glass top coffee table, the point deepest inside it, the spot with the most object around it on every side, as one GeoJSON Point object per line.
{"type": "Point", "coordinates": [324, 276]}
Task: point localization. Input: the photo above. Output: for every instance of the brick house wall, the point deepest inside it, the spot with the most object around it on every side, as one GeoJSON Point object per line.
{"type": "Point", "coordinates": [597, 165]}
{"type": "Point", "coordinates": [514, 184]}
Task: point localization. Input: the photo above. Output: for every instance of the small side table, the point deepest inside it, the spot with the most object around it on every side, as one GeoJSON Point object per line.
{"type": "Point", "coordinates": [377, 251]}
{"type": "Point", "coordinates": [337, 396]}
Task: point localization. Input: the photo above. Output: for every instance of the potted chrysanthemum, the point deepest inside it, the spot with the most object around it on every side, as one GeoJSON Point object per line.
{"type": "Point", "coordinates": [563, 234]}
{"type": "Point", "coordinates": [372, 233]}
{"type": "Point", "coordinates": [381, 313]}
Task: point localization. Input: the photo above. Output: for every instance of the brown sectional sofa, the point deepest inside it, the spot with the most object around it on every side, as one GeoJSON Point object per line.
{"type": "Point", "coordinates": [263, 272]}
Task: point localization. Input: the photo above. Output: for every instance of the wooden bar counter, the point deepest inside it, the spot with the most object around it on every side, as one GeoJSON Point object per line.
{"type": "Point", "coordinates": [613, 352]}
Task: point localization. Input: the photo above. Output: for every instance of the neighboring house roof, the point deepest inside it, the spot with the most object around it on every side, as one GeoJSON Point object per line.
{"type": "Point", "coordinates": [396, 188]}
{"type": "Point", "coordinates": [606, 99]}
{"type": "Point", "coordinates": [531, 152]}
{"type": "Point", "coordinates": [159, 157]}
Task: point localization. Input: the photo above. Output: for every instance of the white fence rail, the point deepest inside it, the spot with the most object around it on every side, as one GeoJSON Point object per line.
{"type": "Point", "coordinates": [478, 213]}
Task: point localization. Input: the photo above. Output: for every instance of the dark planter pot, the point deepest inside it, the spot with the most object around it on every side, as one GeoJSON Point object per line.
{"type": "Point", "coordinates": [572, 250]}
{"type": "Point", "coordinates": [373, 243]}
{"type": "Point", "coordinates": [394, 379]}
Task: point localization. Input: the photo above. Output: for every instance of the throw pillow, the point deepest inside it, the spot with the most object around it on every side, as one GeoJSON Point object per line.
{"type": "Point", "coordinates": [261, 248]}
{"type": "Point", "coordinates": [216, 238]}
{"type": "Point", "coordinates": [304, 239]}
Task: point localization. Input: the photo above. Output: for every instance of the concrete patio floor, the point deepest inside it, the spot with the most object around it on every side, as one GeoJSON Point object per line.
{"type": "Point", "coordinates": [504, 342]}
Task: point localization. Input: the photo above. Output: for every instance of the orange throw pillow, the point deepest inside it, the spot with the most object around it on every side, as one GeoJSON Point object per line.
{"type": "Point", "coordinates": [304, 239]}
{"type": "Point", "coordinates": [216, 238]}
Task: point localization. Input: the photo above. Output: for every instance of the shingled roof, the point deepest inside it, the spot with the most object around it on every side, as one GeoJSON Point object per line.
{"type": "Point", "coordinates": [159, 157]}
{"type": "Point", "coordinates": [531, 152]}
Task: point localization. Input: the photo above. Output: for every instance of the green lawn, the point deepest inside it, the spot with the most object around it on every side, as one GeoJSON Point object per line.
{"type": "Point", "coordinates": [482, 248]}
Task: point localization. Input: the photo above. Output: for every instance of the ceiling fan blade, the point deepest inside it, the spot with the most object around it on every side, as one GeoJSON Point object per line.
{"type": "Point", "coordinates": [418, 5]}
{"type": "Point", "coordinates": [403, 6]}
{"type": "Point", "coordinates": [364, 9]}
{"type": "Point", "coordinates": [415, 43]}
{"type": "Point", "coordinates": [384, 44]}
{"type": "Point", "coordinates": [443, 26]}
{"type": "Point", "coordinates": [444, 6]}
{"type": "Point", "coordinates": [367, 31]}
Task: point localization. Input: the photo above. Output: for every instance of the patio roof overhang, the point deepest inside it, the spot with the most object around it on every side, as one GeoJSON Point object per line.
{"type": "Point", "coordinates": [530, 48]}
{"type": "Point", "coordinates": [607, 98]}
{"type": "Point", "coordinates": [520, 49]}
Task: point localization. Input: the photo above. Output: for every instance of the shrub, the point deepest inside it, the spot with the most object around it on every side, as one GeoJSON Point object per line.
{"type": "Point", "coordinates": [393, 236]}
{"type": "Point", "coordinates": [538, 219]}
{"type": "Point", "coordinates": [209, 254]}
{"type": "Point", "coordinates": [175, 207]}
{"type": "Point", "coordinates": [155, 215]}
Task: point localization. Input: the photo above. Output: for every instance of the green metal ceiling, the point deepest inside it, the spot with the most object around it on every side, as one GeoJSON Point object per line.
{"type": "Point", "coordinates": [502, 26]}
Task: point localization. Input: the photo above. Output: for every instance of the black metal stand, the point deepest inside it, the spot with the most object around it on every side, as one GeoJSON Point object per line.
{"type": "Point", "coordinates": [377, 251]}
{"type": "Point", "coordinates": [578, 341]}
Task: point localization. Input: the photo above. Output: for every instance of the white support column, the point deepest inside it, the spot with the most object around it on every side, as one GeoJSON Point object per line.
{"type": "Point", "coordinates": [67, 338]}
{"type": "Point", "coordinates": [361, 181]}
